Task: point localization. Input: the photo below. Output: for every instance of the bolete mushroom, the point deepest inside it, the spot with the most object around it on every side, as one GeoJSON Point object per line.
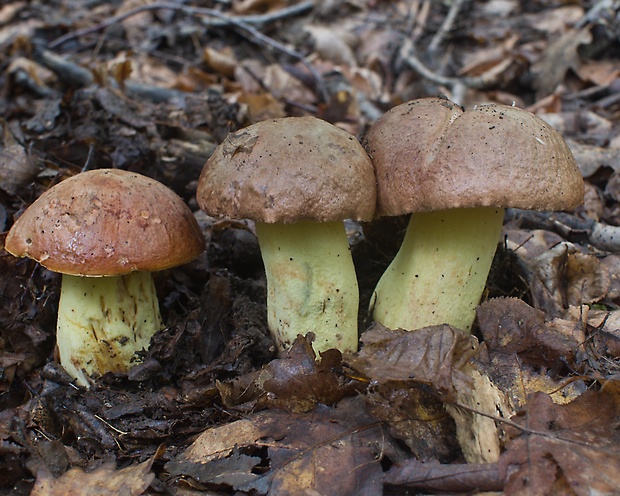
{"type": "Point", "coordinates": [456, 171]}
{"type": "Point", "coordinates": [298, 178]}
{"type": "Point", "coordinates": [105, 231]}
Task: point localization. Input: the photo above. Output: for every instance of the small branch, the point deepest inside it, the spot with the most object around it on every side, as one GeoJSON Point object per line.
{"type": "Point", "coordinates": [446, 27]}
{"type": "Point", "coordinates": [448, 477]}
{"type": "Point", "coordinates": [602, 236]}
{"type": "Point", "coordinates": [457, 86]}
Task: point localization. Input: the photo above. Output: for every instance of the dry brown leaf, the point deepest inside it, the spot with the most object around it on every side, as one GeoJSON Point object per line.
{"type": "Point", "coordinates": [565, 449]}
{"type": "Point", "coordinates": [605, 339]}
{"type": "Point", "coordinates": [221, 61]}
{"type": "Point", "coordinates": [590, 125]}
{"type": "Point", "coordinates": [297, 382]}
{"type": "Point", "coordinates": [104, 481]}
{"type": "Point", "coordinates": [17, 169]}
{"type": "Point", "coordinates": [550, 70]}
{"type": "Point", "coordinates": [555, 20]}
{"type": "Point", "coordinates": [563, 276]}
{"type": "Point", "coordinates": [287, 88]}
{"type": "Point", "coordinates": [523, 344]}
{"type": "Point", "coordinates": [510, 326]}
{"type": "Point", "coordinates": [261, 106]}
{"type": "Point", "coordinates": [410, 370]}
{"type": "Point", "coordinates": [333, 44]}
{"type": "Point", "coordinates": [328, 451]}
{"type": "Point", "coordinates": [599, 72]}
{"type": "Point", "coordinates": [432, 355]}
{"type": "Point", "coordinates": [415, 416]}
{"type": "Point", "coordinates": [486, 60]}
{"type": "Point", "coordinates": [591, 158]}
{"type": "Point", "coordinates": [530, 243]}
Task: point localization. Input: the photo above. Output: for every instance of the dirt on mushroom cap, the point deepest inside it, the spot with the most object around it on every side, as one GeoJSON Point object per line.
{"type": "Point", "coordinates": [429, 155]}
{"type": "Point", "coordinates": [288, 170]}
{"type": "Point", "coordinates": [107, 222]}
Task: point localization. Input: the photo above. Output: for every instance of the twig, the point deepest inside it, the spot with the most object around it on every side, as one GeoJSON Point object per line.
{"type": "Point", "coordinates": [446, 26]}
{"type": "Point", "coordinates": [602, 236]}
{"type": "Point", "coordinates": [445, 477]}
{"type": "Point", "coordinates": [242, 24]}
{"type": "Point", "coordinates": [75, 75]}
{"type": "Point", "coordinates": [457, 86]}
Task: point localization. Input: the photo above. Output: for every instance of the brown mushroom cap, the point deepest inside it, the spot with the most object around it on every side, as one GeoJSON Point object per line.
{"type": "Point", "coordinates": [288, 170]}
{"type": "Point", "coordinates": [107, 222]}
{"type": "Point", "coordinates": [431, 155]}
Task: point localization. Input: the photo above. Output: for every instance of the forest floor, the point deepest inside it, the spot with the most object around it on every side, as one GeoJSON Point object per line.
{"type": "Point", "coordinates": [153, 87]}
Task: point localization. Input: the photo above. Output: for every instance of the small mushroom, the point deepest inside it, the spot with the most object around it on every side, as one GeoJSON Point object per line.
{"type": "Point", "coordinates": [105, 231]}
{"type": "Point", "coordinates": [298, 178]}
{"type": "Point", "coordinates": [457, 171]}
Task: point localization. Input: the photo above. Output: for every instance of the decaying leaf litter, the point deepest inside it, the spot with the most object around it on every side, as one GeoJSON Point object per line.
{"type": "Point", "coordinates": [153, 88]}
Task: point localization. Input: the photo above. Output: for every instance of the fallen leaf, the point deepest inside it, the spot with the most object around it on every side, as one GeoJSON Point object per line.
{"type": "Point", "coordinates": [511, 326]}
{"type": "Point", "coordinates": [103, 481]}
{"type": "Point", "coordinates": [565, 449]}
{"type": "Point", "coordinates": [296, 382]}
{"type": "Point", "coordinates": [563, 276]}
{"type": "Point", "coordinates": [432, 356]}
{"type": "Point", "coordinates": [445, 478]}
{"type": "Point", "coordinates": [411, 371]}
{"type": "Point", "coordinates": [328, 451]}
{"type": "Point", "coordinates": [550, 70]}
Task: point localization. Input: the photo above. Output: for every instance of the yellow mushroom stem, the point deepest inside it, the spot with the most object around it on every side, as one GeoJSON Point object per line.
{"type": "Point", "coordinates": [104, 321]}
{"type": "Point", "coordinates": [311, 284]}
{"type": "Point", "coordinates": [441, 269]}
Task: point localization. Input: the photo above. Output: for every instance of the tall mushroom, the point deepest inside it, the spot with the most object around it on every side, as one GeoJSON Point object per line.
{"type": "Point", "coordinates": [456, 171]}
{"type": "Point", "coordinates": [298, 178]}
{"type": "Point", "coordinates": [105, 231]}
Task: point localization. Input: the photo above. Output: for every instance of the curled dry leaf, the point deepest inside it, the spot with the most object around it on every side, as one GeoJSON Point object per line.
{"type": "Point", "coordinates": [409, 371]}
{"type": "Point", "coordinates": [604, 339]}
{"type": "Point", "coordinates": [17, 169]}
{"type": "Point", "coordinates": [432, 356]}
{"type": "Point", "coordinates": [333, 44]}
{"type": "Point", "coordinates": [563, 277]}
{"type": "Point", "coordinates": [565, 449]}
{"type": "Point", "coordinates": [522, 345]}
{"type": "Point", "coordinates": [222, 61]}
{"type": "Point", "coordinates": [104, 481]}
{"type": "Point", "coordinates": [328, 451]}
{"type": "Point", "coordinates": [559, 57]}
{"type": "Point", "coordinates": [510, 325]}
{"type": "Point", "coordinates": [297, 382]}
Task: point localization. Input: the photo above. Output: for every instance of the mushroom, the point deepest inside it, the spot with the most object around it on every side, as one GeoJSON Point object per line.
{"type": "Point", "coordinates": [105, 231]}
{"type": "Point", "coordinates": [298, 178]}
{"type": "Point", "coordinates": [457, 171]}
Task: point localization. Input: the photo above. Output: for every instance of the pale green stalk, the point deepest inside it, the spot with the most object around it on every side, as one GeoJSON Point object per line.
{"type": "Point", "coordinates": [441, 269]}
{"type": "Point", "coordinates": [311, 284]}
{"type": "Point", "coordinates": [104, 321]}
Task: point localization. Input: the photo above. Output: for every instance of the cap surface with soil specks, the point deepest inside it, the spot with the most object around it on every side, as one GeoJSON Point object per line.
{"type": "Point", "coordinates": [107, 222]}
{"type": "Point", "coordinates": [289, 170]}
{"type": "Point", "coordinates": [429, 155]}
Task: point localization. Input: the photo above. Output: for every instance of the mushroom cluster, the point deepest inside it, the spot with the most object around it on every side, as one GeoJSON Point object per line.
{"type": "Point", "coordinates": [298, 179]}
{"type": "Point", "coordinates": [105, 231]}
